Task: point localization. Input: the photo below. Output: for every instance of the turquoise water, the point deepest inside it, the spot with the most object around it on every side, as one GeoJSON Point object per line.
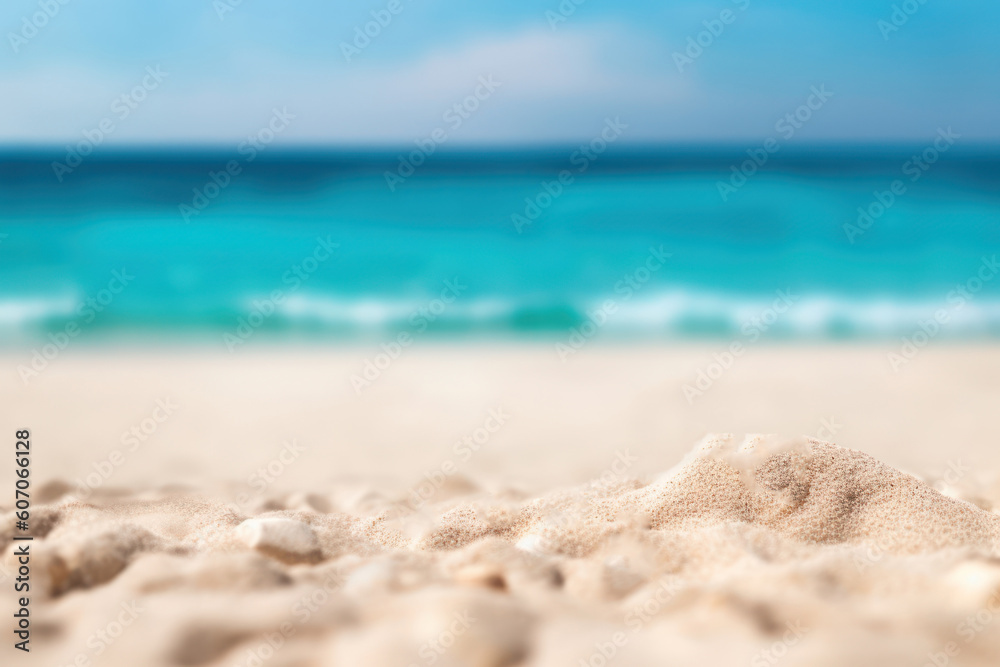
{"type": "Point", "coordinates": [497, 244]}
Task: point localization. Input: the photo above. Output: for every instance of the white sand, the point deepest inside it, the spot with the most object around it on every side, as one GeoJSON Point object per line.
{"type": "Point", "coordinates": [751, 550]}
{"type": "Point", "coordinates": [823, 554]}
{"type": "Point", "coordinates": [236, 410]}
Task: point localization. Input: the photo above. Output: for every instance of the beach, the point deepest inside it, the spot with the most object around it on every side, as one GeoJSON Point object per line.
{"type": "Point", "coordinates": [564, 421]}
{"type": "Point", "coordinates": [496, 505]}
{"type": "Point", "coordinates": [499, 334]}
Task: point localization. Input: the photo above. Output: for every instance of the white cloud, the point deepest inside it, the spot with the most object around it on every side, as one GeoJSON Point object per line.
{"type": "Point", "coordinates": [554, 86]}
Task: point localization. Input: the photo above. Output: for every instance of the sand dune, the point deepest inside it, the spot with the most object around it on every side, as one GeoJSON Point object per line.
{"type": "Point", "coordinates": [751, 550]}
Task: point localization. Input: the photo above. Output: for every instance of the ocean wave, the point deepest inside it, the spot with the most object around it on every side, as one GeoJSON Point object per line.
{"type": "Point", "coordinates": [27, 312]}
{"type": "Point", "coordinates": [676, 313]}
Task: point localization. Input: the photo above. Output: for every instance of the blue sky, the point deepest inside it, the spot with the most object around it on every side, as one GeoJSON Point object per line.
{"type": "Point", "coordinates": [227, 70]}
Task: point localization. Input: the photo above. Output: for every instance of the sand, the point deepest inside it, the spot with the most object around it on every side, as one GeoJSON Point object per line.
{"type": "Point", "coordinates": [751, 549]}
{"type": "Point", "coordinates": [564, 550]}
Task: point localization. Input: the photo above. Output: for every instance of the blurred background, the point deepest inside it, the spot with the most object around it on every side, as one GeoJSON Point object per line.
{"type": "Point", "coordinates": [314, 310]}
{"type": "Point", "coordinates": [633, 223]}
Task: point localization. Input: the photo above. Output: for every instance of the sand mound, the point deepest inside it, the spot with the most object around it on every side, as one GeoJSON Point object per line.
{"type": "Point", "coordinates": [812, 492]}
{"type": "Point", "coordinates": [747, 552]}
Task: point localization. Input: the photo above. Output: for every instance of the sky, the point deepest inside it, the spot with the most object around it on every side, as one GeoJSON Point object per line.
{"type": "Point", "coordinates": [557, 70]}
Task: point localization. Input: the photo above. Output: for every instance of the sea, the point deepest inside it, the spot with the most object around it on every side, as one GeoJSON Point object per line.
{"type": "Point", "coordinates": [640, 242]}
